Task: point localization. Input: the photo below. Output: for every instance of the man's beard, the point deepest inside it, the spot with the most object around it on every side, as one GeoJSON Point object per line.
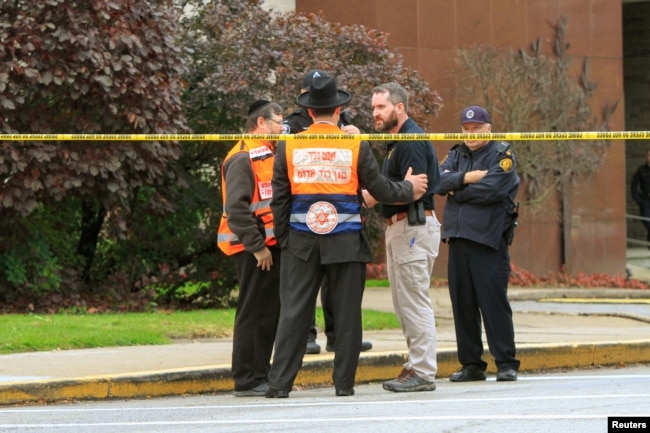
{"type": "Point", "coordinates": [389, 123]}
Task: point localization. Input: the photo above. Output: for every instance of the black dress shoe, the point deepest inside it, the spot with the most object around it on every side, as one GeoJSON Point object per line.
{"type": "Point", "coordinates": [344, 392]}
{"type": "Point", "coordinates": [469, 373]}
{"type": "Point", "coordinates": [312, 348]}
{"type": "Point", "coordinates": [507, 374]}
{"type": "Point", "coordinates": [258, 391]}
{"type": "Point", "coordinates": [365, 346]}
{"type": "Point", "coordinates": [276, 393]}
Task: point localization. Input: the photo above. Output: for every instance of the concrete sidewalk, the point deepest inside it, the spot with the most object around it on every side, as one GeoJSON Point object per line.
{"type": "Point", "coordinates": [557, 334]}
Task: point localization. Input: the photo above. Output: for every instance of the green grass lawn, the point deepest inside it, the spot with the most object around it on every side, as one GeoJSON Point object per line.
{"type": "Point", "coordinates": [33, 332]}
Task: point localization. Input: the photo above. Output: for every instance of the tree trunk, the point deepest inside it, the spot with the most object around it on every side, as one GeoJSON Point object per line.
{"type": "Point", "coordinates": [92, 219]}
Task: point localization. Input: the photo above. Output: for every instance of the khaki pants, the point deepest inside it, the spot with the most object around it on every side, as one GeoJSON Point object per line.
{"type": "Point", "coordinates": [411, 252]}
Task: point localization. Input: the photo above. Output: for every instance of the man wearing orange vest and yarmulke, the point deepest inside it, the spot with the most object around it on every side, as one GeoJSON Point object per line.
{"type": "Point", "coordinates": [317, 211]}
{"type": "Point", "coordinates": [246, 234]}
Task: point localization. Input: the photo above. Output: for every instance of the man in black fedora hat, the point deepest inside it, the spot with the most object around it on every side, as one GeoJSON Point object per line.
{"type": "Point", "coordinates": [295, 122]}
{"type": "Point", "coordinates": [316, 209]}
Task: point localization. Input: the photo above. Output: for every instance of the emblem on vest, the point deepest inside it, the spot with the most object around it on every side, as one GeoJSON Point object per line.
{"type": "Point", "coordinates": [322, 217]}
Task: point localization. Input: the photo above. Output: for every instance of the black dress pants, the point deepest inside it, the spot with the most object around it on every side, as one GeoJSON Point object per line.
{"type": "Point", "coordinates": [300, 282]}
{"type": "Point", "coordinates": [256, 319]}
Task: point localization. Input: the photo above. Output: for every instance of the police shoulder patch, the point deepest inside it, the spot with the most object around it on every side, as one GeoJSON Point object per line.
{"type": "Point", "coordinates": [506, 164]}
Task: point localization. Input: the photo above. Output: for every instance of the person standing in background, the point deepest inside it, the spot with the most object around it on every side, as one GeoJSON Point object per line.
{"type": "Point", "coordinates": [640, 189]}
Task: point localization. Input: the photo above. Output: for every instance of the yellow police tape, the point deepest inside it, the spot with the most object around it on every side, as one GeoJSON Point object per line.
{"type": "Point", "coordinates": [511, 136]}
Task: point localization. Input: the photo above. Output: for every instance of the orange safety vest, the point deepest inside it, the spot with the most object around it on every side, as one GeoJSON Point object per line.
{"type": "Point", "coordinates": [262, 164]}
{"type": "Point", "coordinates": [324, 183]}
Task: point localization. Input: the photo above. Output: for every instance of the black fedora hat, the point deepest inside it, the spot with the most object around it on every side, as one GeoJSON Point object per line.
{"type": "Point", "coordinates": [323, 93]}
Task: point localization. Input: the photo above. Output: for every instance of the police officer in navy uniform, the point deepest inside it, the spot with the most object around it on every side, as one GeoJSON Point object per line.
{"type": "Point", "coordinates": [640, 188]}
{"type": "Point", "coordinates": [296, 122]}
{"type": "Point", "coordinates": [480, 181]}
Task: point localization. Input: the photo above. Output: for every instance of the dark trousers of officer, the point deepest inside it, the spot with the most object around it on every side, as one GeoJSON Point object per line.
{"type": "Point", "coordinates": [478, 284]}
{"type": "Point", "coordinates": [300, 282]}
{"type": "Point", "coordinates": [256, 319]}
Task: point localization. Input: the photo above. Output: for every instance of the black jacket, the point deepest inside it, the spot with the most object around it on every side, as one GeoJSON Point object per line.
{"type": "Point", "coordinates": [402, 154]}
{"type": "Point", "coordinates": [640, 186]}
{"type": "Point", "coordinates": [297, 121]}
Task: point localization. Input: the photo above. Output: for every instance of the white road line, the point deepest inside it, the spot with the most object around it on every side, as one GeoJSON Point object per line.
{"type": "Point", "coordinates": [291, 404]}
{"type": "Point", "coordinates": [311, 420]}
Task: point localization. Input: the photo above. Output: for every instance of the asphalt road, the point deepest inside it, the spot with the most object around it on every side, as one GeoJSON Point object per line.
{"type": "Point", "coordinates": [574, 401]}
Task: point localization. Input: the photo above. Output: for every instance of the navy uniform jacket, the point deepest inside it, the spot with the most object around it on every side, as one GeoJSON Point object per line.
{"type": "Point", "coordinates": [479, 212]}
{"type": "Point", "coordinates": [297, 121]}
